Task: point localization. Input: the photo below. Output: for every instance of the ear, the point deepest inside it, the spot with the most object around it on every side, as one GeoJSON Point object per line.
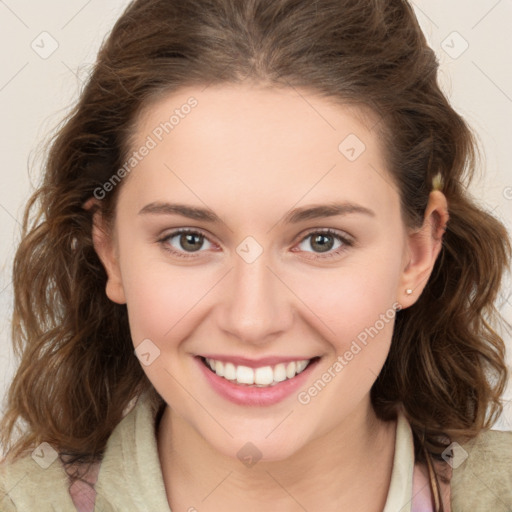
{"type": "Point", "coordinates": [105, 245]}
{"type": "Point", "coordinates": [423, 248]}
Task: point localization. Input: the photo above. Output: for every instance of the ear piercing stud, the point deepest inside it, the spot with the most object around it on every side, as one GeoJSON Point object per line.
{"type": "Point", "coordinates": [408, 291]}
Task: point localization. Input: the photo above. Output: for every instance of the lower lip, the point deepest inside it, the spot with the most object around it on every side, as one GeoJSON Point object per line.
{"type": "Point", "coordinates": [251, 395]}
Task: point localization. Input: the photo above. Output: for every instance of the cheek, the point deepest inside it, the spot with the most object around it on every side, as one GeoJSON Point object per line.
{"type": "Point", "coordinates": [162, 299]}
{"type": "Point", "coordinates": [354, 309]}
{"type": "Point", "coordinates": [350, 300]}
{"type": "Point", "coordinates": [356, 318]}
{"type": "Point", "coordinates": [165, 305]}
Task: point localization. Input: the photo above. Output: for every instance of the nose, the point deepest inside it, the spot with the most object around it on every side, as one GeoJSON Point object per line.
{"type": "Point", "coordinates": [257, 304]}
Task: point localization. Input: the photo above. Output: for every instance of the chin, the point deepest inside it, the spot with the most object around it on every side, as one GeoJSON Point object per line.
{"type": "Point", "coordinates": [256, 445]}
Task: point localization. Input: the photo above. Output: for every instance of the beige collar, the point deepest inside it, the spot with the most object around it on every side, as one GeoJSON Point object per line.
{"type": "Point", "coordinates": [130, 476]}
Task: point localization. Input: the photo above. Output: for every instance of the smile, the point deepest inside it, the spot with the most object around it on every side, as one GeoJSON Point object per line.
{"type": "Point", "coordinates": [264, 376]}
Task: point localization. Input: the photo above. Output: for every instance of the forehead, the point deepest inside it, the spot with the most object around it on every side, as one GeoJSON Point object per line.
{"type": "Point", "coordinates": [261, 144]}
{"type": "Point", "coordinates": [245, 114]}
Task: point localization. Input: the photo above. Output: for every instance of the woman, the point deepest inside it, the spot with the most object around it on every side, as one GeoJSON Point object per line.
{"type": "Point", "coordinates": [257, 279]}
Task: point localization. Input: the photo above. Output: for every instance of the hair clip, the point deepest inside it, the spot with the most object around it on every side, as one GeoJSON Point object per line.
{"type": "Point", "coordinates": [437, 182]}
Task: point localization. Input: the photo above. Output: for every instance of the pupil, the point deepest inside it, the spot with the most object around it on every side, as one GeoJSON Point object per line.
{"type": "Point", "coordinates": [187, 241]}
{"type": "Point", "coordinates": [320, 240]}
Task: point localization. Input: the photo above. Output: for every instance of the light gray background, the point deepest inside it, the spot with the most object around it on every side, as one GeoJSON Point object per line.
{"type": "Point", "coordinates": [472, 39]}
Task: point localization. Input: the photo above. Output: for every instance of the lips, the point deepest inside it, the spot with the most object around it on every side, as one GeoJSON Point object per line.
{"type": "Point", "coordinates": [242, 389]}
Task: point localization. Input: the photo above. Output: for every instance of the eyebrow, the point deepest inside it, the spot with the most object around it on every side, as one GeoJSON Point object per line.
{"type": "Point", "coordinates": [192, 212]}
{"type": "Point", "coordinates": [328, 210]}
{"type": "Point", "coordinates": [292, 217]}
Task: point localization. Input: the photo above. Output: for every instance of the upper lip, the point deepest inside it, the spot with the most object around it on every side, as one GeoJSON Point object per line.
{"type": "Point", "coordinates": [255, 363]}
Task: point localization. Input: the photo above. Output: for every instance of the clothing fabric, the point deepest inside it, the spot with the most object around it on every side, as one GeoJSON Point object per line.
{"type": "Point", "coordinates": [129, 477]}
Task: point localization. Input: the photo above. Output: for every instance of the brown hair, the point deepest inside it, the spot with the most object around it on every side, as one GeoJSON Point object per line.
{"type": "Point", "coordinates": [78, 370]}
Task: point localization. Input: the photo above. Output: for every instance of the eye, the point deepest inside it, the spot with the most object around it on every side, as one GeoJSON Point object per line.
{"type": "Point", "coordinates": [183, 241]}
{"type": "Point", "coordinates": [323, 242]}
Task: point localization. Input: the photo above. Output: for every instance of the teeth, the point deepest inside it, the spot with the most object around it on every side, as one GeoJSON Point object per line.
{"type": "Point", "coordinates": [219, 368]}
{"type": "Point", "coordinates": [301, 365]}
{"type": "Point", "coordinates": [262, 377]}
{"type": "Point", "coordinates": [229, 371]}
{"type": "Point", "coordinates": [291, 370]}
{"type": "Point", "coordinates": [280, 372]}
{"type": "Point", "coordinates": [244, 375]}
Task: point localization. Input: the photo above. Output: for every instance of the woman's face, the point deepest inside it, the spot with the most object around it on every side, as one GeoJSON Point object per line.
{"type": "Point", "coordinates": [258, 285]}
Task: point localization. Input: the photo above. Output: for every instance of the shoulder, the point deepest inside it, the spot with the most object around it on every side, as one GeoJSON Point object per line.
{"type": "Point", "coordinates": [482, 473]}
{"type": "Point", "coordinates": [38, 481]}
{"type": "Point", "coordinates": [6, 503]}
{"type": "Point", "coordinates": [34, 482]}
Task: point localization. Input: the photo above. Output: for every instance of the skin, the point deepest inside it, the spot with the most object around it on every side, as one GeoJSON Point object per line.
{"type": "Point", "coordinates": [251, 155]}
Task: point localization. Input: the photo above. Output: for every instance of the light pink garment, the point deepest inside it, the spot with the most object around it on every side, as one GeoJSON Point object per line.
{"type": "Point", "coordinates": [82, 490]}
{"type": "Point", "coordinates": [422, 499]}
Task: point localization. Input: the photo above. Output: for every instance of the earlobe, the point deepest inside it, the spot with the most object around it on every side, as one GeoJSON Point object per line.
{"type": "Point", "coordinates": [105, 247]}
{"type": "Point", "coordinates": [423, 248]}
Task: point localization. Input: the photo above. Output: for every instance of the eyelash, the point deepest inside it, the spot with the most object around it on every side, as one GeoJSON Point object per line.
{"type": "Point", "coordinates": [345, 241]}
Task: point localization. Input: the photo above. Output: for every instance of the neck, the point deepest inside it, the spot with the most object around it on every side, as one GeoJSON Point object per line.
{"type": "Point", "coordinates": [347, 468]}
